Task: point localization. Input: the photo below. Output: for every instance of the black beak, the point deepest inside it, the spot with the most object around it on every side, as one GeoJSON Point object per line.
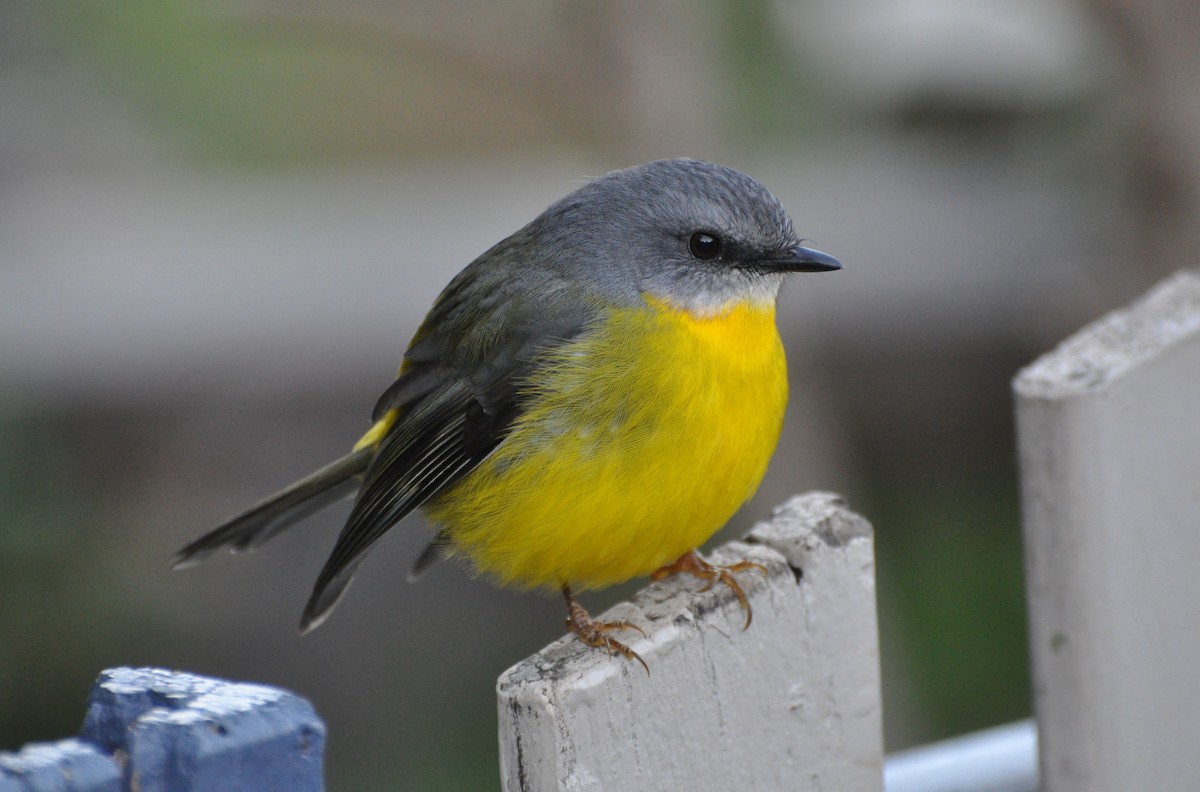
{"type": "Point", "coordinates": [802, 259]}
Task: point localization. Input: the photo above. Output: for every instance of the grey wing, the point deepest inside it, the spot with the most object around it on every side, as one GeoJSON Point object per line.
{"type": "Point", "coordinates": [459, 393]}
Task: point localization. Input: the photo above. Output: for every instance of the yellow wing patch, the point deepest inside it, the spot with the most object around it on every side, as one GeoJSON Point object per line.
{"type": "Point", "coordinates": [377, 430]}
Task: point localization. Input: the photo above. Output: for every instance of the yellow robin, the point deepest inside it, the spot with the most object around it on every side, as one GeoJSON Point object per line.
{"type": "Point", "coordinates": [587, 402]}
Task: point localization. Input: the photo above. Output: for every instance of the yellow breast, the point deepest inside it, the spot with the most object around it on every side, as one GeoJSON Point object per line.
{"type": "Point", "coordinates": [642, 438]}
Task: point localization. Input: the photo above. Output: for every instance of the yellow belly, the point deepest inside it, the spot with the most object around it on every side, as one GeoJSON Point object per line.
{"type": "Point", "coordinates": [642, 439]}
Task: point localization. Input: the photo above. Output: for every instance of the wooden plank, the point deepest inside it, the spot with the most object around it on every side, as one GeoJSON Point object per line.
{"type": "Point", "coordinates": [791, 703]}
{"type": "Point", "coordinates": [176, 731]}
{"type": "Point", "coordinates": [63, 766]}
{"type": "Point", "coordinates": [1109, 435]}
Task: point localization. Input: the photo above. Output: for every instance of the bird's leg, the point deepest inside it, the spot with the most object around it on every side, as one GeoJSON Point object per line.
{"type": "Point", "coordinates": [593, 633]}
{"type": "Point", "coordinates": [693, 564]}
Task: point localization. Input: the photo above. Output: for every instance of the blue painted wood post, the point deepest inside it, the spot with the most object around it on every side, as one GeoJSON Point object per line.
{"type": "Point", "coordinates": [153, 730]}
{"type": "Point", "coordinates": [63, 766]}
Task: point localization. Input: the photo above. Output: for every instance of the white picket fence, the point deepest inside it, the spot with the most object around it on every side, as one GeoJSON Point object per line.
{"type": "Point", "coordinates": [1109, 435]}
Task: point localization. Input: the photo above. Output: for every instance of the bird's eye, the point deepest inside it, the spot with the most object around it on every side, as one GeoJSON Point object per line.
{"type": "Point", "coordinates": [704, 245]}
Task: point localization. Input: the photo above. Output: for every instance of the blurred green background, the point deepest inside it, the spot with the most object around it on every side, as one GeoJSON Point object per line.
{"type": "Point", "coordinates": [220, 222]}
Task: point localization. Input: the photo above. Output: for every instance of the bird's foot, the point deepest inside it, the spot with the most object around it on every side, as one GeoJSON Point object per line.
{"type": "Point", "coordinates": [694, 565]}
{"type": "Point", "coordinates": [595, 633]}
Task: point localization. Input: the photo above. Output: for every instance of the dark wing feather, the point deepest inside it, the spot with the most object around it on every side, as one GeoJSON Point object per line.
{"type": "Point", "coordinates": [416, 380]}
{"type": "Point", "coordinates": [412, 464]}
{"type": "Point", "coordinates": [458, 396]}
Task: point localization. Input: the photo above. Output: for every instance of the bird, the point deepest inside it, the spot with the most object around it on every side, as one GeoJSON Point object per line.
{"type": "Point", "coordinates": [585, 403]}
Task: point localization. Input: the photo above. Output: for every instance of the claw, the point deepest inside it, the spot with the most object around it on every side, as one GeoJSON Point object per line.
{"type": "Point", "coordinates": [592, 632]}
{"type": "Point", "coordinates": [712, 574]}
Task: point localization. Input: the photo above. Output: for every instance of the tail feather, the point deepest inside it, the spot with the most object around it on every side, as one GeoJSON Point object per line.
{"type": "Point", "coordinates": [262, 522]}
{"type": "Point", "coordinates": [325, 597]}
{"type": "Point", "coordinates": [430, 555]}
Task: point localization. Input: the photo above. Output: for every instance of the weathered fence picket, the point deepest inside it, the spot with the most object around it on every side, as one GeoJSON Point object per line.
{"type": "Point", "coordinates": [153, 730]}
{"type": "Point", "coordinates": [1109, 433]}
{"type": "Point", "coordinates": [793, 702]}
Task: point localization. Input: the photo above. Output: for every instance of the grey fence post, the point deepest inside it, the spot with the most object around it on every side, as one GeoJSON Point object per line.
{"type": "Point", "coordinates": [792, 703]}
{"type": "Point", "coordinates": [1109, 435]}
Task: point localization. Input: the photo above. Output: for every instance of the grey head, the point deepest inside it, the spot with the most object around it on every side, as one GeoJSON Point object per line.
{"type": "Point", "coordinates": [696, 235]}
